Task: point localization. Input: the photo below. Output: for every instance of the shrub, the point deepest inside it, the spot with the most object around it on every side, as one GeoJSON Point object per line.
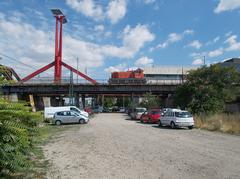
{"type": "Point", "coordinates": [18, 128]}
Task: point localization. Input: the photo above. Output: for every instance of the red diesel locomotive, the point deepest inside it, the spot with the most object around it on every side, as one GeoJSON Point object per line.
{"type": "Point", "coordinates": [128, 77]}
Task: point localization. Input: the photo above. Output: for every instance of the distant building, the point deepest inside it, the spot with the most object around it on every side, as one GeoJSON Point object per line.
{"type": "Point", "coordinates": [166, 74]}
{"type": "Point", "coordinates": [231, 62]}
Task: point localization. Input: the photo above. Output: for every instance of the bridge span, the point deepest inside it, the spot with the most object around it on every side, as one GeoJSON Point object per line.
{"type": "Point", "coordinates": [36, 93]}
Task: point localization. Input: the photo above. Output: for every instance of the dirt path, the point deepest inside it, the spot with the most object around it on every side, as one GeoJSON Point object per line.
{"type": "Point", "coordinates": [112, 147]}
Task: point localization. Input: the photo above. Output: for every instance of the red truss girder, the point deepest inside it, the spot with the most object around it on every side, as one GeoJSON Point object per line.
{"type": "Point", "coordinates": [79, 73]}
{"type": "Point", "coordinates": [51, 65]}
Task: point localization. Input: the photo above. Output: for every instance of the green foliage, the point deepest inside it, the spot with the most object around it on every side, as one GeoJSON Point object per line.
{"type": "Point", "coordinates": [109, 102]}
{"type": "Point", "coordinates": [18, 128]}
{"type": "Point", "coordinates": [208, 88]}
{"type": "Point", "coordinates": [150, 101]}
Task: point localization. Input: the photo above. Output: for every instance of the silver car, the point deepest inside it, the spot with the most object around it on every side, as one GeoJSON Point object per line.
{"type": "Point", "coordinates": [64, 117]}
{"type": "Point", "coordinates": [137, 113]}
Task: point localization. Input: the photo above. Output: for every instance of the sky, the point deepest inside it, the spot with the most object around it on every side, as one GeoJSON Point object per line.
{"type": "Point", "coordinates": [116, 35]}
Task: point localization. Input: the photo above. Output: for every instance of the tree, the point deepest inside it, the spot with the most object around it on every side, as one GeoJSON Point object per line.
{"type": "Point", "coordinates": [208, 88]}
{"type": "Point", "coordinates": [150, 101]}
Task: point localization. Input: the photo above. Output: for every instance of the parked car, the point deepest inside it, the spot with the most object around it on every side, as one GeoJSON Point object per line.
{"type": "Point", "coordinates": [177, 118]}
{"type": "Point", "coordinates": [50, 111]}
{"type": "Point", "coordinates": [122, 109]}
{"type": "Point", "coordinates": [137, 113]}
{"type": "Point", "coordinates": [88, 110]}
{"type": "Point", "coordinates": [98, 109]}
{"type": "Point", "coordinates": [63, 117]}
{"type": "Point", "coordinates": [151, 116]}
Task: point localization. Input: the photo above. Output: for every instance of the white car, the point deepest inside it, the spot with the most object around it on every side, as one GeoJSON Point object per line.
{"type": "Point", "coordinates": [50, 111]}
{"type": "Point", "coordinates": [177, 118]}
{"type": "Point", "coordinates": [137, 113]}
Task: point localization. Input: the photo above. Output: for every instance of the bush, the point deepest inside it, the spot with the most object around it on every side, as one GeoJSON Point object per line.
{"type": "Point", "coordinates": [18, 128]}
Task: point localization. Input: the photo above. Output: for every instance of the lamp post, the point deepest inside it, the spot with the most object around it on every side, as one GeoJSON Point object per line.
{"type": "Point", "coordinates": [77, 70]}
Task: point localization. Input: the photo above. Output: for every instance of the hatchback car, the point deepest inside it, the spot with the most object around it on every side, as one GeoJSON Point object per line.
{"type": "Point", "coordinates": [151, 116]}
{"type": "Point", "coordinates": [64, 117]}
{"type": "Point", "coordinates": [177, 118]}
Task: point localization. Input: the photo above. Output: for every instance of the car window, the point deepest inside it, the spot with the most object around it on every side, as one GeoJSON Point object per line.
{"type": "Point", "coordinates": [74, 109]}
{"type": "Point", "coordinates": [73, 113]}
{"type": "Point", "coordinates": [183, 114]}
{"type": "Point", "coordinates": [155, 112]}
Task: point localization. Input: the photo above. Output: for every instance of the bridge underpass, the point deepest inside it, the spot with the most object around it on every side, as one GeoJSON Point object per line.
{"type": "Point", "coordinates": [36, 93]}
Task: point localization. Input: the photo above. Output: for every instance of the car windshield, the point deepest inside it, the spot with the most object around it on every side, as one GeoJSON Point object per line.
{"type": "Point", "coordinates": [183, 114]}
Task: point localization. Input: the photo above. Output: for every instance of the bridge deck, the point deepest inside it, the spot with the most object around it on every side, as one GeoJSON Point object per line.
{"type": "Point", "coordinates": [87, 89]}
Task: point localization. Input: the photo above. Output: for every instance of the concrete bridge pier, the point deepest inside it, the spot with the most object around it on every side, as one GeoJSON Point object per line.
{"type": "Point", "coordinates": [83, 100]}
{"type": "Point", "coordinates": [76, 97]}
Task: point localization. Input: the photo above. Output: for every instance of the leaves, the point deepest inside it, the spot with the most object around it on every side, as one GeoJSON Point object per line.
{"type": "Point", "coordinates": [18, 126]}
{"type": "Point", "coordinates": [208, 88]}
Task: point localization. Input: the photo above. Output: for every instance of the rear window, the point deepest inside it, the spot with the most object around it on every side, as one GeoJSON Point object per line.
{"type": "Point", "coordinates": [155, 112]}
{"type": "Point", "coordinates": [183, 114]}
{"type": "Point", "coordinates": [140, 110]}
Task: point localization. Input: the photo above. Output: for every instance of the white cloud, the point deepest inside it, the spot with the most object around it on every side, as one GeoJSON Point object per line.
{"type": "Point", "coordinates": [144, 61]}
{"type": "Point", "coordinates": [133, 40]}
{"type": "Point", "coordinates": [198, 62]}
{"type": "Point", "coordinates": [195, 44]}
{"type": "Point", "coordinates": [227, 5]}
{"type": "Point", "coordinates": [119, 67]}
{"type": "Point", "coordinates": [99, 28]}
{"type": "Point", "coordinates": [213, 41]}
{"type": "Point", "coordinates": [174, 37]}
{"type": "Point", "coordinates": [149, 1]}
{"type": "Point", "coordinates": [116, 10]}
{"type": "Point", "coordinates": [87, 7]}
{"type": "Point", "coordinates": [216, 52]}
{"type": "Point", "coordinates": [233, 43]}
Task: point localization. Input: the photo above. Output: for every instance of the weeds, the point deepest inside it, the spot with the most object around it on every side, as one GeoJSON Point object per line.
{"type": "Point", "coordinates": [228, 123]}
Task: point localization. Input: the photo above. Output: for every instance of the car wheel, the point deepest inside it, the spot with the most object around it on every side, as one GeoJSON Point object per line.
{"type": "Point", "coordinates": [190, 127]}
{"type": "Point", "coordinates": [81, 121]}
{"type": "Point", "coordinates": [172, 125]}
{"type": "Point", "coordinates": [159, 123]}
{"type": "Point", "coordinates": [58, 123]}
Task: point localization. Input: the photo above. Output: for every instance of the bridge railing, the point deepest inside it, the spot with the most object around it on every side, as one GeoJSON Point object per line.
{"type": "Point", "coordinates": [67, 80]}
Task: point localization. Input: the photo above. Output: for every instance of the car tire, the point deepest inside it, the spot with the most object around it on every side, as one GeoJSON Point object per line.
{"type": "Point", "coordinates": [190, 127]}
{"type": "Point", "coordinates": [81, 121]}
{"type": "Point", "coordinates": [159, 123]}
{"type": "Point", "coordinates": [172, 125]}
{"type": "Point", "coordinates": [58, 123]}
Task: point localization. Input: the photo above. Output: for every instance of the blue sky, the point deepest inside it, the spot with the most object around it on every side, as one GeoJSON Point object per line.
{"type": "Point", "coordinates": [117, 35]}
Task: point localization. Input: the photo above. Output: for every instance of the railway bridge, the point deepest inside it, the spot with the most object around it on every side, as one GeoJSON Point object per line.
{"type": "Point", "coordinates": [37, 93]}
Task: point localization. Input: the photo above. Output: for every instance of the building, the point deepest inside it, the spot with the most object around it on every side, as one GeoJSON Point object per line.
{"type": "Point", "coordinates": [231, 62]}
{"type": "Point", "coordinates": [166, 74]}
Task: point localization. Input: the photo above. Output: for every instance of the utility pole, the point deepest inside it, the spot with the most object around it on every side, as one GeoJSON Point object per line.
{"type": "Point", "coordinates": [77, 70]}
{"type": "Point", "coordinates": [71, 89]}
{"type": "Point", "coordinates": [204, 60]}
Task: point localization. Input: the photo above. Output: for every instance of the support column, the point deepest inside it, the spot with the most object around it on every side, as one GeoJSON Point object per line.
{"type": "Point", "coordinates": [31, 99]}
{"type": "Point", "coordinates": [103, 100]}
{"type": "Point", "coordinates": [77, 99]}
{"type": "Point", "coordinates": [83, 100]}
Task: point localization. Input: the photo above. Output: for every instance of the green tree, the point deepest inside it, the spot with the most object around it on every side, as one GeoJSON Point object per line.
{"type": "Point", "coordinates": [208, 88]}
{"type": "Point", "coordinates": [150, 101]}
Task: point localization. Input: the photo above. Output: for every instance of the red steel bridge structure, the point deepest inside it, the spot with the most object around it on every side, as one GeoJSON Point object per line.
{"type": "Point", "coordinates": [58, 63]}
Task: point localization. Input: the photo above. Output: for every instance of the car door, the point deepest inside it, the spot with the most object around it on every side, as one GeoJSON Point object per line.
{"type": "Point", "coordinates": [74, 116]}
{"type": "Point", "coordinates": [164, 118]}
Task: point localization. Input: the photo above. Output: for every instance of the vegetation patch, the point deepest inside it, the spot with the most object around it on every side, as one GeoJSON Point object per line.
{"type": "Point", "coordinates": [228, 123]}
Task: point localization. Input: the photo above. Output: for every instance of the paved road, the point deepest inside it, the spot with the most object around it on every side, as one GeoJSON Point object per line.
{"type": "Point", "coordinates": [112, 147]}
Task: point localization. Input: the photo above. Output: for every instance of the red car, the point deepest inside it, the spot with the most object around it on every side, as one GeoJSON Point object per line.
{"type": "Point", "coordinates": [151, 116]}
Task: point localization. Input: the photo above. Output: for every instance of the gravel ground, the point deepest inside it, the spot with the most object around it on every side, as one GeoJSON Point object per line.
{"type": "Point", "coordinates": [111, 146]}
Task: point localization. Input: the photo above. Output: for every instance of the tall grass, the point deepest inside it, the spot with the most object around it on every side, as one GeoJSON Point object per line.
{"type": "Point", "coordinates": [228, 123]}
